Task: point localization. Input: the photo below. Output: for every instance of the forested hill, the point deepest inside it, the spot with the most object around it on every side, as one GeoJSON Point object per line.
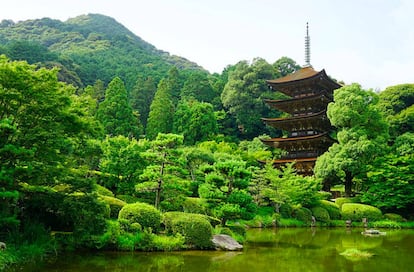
{"type": "Point", "coordinates": [87, 48]}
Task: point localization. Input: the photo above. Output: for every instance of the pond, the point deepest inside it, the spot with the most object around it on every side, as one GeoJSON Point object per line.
{"type": "Point", "coordinates": [292, 249]}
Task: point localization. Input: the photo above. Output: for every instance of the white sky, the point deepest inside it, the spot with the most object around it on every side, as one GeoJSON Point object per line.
{"type": "Point", "coordinates": [366, 41]}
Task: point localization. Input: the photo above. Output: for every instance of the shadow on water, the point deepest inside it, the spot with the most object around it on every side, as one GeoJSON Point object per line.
{"type": "Point", "coordinates": [295, 249]}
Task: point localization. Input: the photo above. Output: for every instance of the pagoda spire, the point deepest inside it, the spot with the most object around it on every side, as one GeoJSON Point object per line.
{"type": "Point", "coordinates": [307, 47]}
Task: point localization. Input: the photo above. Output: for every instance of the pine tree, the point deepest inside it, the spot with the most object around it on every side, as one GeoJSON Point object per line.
{"type": "Point", "coordinates": [161, 113]}
{"type": "Point", "coordinates": [115, 113]}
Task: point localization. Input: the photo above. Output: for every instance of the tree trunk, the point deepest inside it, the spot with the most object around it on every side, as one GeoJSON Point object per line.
{"type": "Point", "coordinates": [348, 184]}
{"type": "Point", "coordinates": [160, 179]}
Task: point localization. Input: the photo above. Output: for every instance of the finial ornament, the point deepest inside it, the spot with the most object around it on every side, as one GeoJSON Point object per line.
{"type": "Point", "coordinates": [307, 47]}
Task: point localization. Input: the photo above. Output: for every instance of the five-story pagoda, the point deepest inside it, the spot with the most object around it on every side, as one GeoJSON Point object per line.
{"type": "Point", "coordinates": [307, 127]}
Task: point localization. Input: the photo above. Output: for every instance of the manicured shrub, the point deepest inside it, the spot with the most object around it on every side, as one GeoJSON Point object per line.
{"type": "Point", "coordinates": [128, 198]}
{"type": "Point", "coordinates": [342, 200]}
{"type": "Point", "coordinates": [356, 211]}
{"type": "Point", "coordinates": [394, 217]}
{"type": "Point", "coordinates": [115, 205]}
{"type": "Point", "coordinates": [194, 205]}
{"type": "Point", "coordinates": [321, 214]}
{"type": "Point", "coordinates": [303, 214]}
{"type": "Point", "coordinates": [386, 224]}
{"type": "Point", "coordinates": [286, 210]}
{"type": "Point", "coordinates": [144, 214]}
{"type": "Point", "coordinates": [195, 228]}
{"type": "Point", "coordinates": [332, 208]}
{"type": "Point", "coordinates": [103, 191]}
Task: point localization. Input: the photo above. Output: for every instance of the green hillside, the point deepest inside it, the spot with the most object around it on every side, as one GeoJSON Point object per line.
{"type": "Point", "coordinates": [87, 48]}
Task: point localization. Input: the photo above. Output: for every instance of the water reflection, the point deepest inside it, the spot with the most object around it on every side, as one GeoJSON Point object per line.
{"type": "Point", "coordinates": [265, 250]}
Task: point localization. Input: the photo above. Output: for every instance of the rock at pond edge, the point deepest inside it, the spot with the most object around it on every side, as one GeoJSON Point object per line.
{"type": "Point", "coordinates": [225, 242]}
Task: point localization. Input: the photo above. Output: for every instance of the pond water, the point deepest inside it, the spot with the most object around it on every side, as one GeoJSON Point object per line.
{"type": "Point", "coordinates": [293, 249]}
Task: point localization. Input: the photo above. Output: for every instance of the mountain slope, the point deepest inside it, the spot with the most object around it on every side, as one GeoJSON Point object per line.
{"type": "Point", "coordinates": [89, 47]}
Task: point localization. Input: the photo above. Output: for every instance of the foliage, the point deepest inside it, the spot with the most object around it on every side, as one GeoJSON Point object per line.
{"type": "Point", "coordinates": [195, 121]}
{"type": "Point", "coordinates": [194, 205]}
{"type": "Point", "coordinates": [160, 118]}
{"type": "Point", "coordinates": [321, 214]}
{"type": "Point", "coordinates": [164, 174]}
{"type": "Point", "coordinates": [122, 163]}
{"type": "Point", "coordinates": [115, 112]}
{"type": "Point", "coordinates": [141, 97]}
{"type": "Point", "coordinates": [356, 211]}
{"type": "Point", "coordinates": [144, 214]}
{"type": "Point", "coordinates": [195, 228]}
{"type": "Point", "coordinates": [332, 208]}
{"type": "Point", "coordinates": [396, 102]}
{"type": "Point", "coordinates": [394, 217]}
{"type": "Point", "coordinates": [303, 214]}
{"type": "Point", "coordinates": [243, 96]}
{"type": "Point", "coordinates": [168, 243]}
{"type": "Point", "coordinates": [285, 66]}
{"type": "Point", "coordinates": [342, 200]}
{"type": "Point", "coordinates": [362, 135]}
{"type": "Point", "coordinates": [389, 184]}
{"type": "Point", "coordinates": [287, 187]}
{"type": "Point", "coordinates": [115, 205]}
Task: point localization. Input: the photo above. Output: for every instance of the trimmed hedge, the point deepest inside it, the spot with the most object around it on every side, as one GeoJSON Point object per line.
{"type": "Point", "coordinates": [103, 191]}
{"type": "Point", "coordinates": [195, 228]}
{"type": "Point", "coordinates": [303, 214]}
{"type": "Point", "coordinates": [394, 217]}
{"type": "Point", "coordinates": [115, 205]}
{"type": "Point", "coordinates": [144, 214]}
{"type": "Point", "coordinates": [342, 200]}
{"type": "Point", "coordinates": [356, 211]}
{"type": "Point", "coordinates": [332, 208]}
{"type": "Point", "coordinates": [321, 214]}
{"type": "Point", "coordinates": [194, 205]}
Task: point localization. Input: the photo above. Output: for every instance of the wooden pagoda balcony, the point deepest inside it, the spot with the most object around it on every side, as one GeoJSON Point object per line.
{"type": "Point", "coordinates": [310, 122]}
{"type": "Point", "coordinates": [315, 143]}
{"type": "Point", "coordinates": [315, 103]}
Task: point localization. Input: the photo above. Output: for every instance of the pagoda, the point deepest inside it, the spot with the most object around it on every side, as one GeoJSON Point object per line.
{"type": "Point", "coordinates": [307, 126]}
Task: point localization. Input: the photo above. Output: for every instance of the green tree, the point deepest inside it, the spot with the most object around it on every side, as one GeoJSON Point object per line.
{"type": "Point", "coordinates": [225, 189]}
{"type": "Point", "coordinates": [198, 86]}
{"type": "Point", "coordinates": [160, 119]}
{"type": "Point", "coordinates": [397, 104]}
{"type": "Point", "coordinates": [195, 121]}
{"type": "Point", "coordinates": [122, 163]}
{"type": "Point", "coordinates": [243, 96]}
{"type": "Point", "coordinates": [141, 97]}
{"type": "Point", "coordinates": [41, 127]}
{"type": "Point", "coordinates": [164, 174]}
{"type": "Point", "coordinates": [285, 66]}
{"type": "Point", "coordinates": [362, 135]}
{"type": "Point", "coordinates": [116, 114]}
{"type": "Point", "coordinates": [389, 184]}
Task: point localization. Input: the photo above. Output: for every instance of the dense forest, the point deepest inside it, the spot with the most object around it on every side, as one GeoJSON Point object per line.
{"type": "Point", "coordinates": [107, 142]}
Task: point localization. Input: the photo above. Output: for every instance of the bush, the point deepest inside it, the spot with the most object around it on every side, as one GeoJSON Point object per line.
{"type": "Point", "coordinates": [115, 205]}
{"type": "Point", "coordinates": [321, 214]}
{"type": "Point", "coordinates": [386, 224]}
{"type": "Point", "coordinates": [168, 243]}
{"type": "Point", "coordinates": [342, 200]}
{"type": "Point", "coordinates": [103, 191]}
{"type": "Point", "coordinates": [144, 214]}
{"type": "Point", "coordinates": [303, 214]}
{"type": "Point", "coordinates": [286, 210]}
{"type": "Point", "coordinates": [128, 198]}
{"type": "Point", "coordinates": [332, 208]}
{"type": "Point", "coordinates": [356, 211]}
{"type": "Point", "coordinates": [290, 222]}
{"type": "Point", "coordinates": [109, 238]}
{"type": "Point", "coordinates": [194, 205]}
{"type": "Point", "coordinates": [195, 228]}
{"type": "Point", "coordinates": [394, 217]}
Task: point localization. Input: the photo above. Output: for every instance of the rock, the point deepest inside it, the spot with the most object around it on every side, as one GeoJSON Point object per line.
{"type": "Point", "coordinates": [3, 246]}
{"type": "Point", "coordinates": [225, 242]}
{"type": "Point", "coordinates": [371, 232]}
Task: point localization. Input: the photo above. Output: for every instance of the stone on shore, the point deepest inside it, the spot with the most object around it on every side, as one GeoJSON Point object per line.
{"type": "Point", "coordinates": [225, 242]}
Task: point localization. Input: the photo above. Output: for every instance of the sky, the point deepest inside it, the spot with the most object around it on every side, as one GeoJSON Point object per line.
{"type": "Point", "coordinates": [370, 42]}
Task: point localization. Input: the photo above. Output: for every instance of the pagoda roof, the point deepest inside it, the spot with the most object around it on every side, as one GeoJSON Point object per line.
{"type": "Point", "coordinates": [289, 105]}
{"type": "Point", "coordinates": [302, 76]}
